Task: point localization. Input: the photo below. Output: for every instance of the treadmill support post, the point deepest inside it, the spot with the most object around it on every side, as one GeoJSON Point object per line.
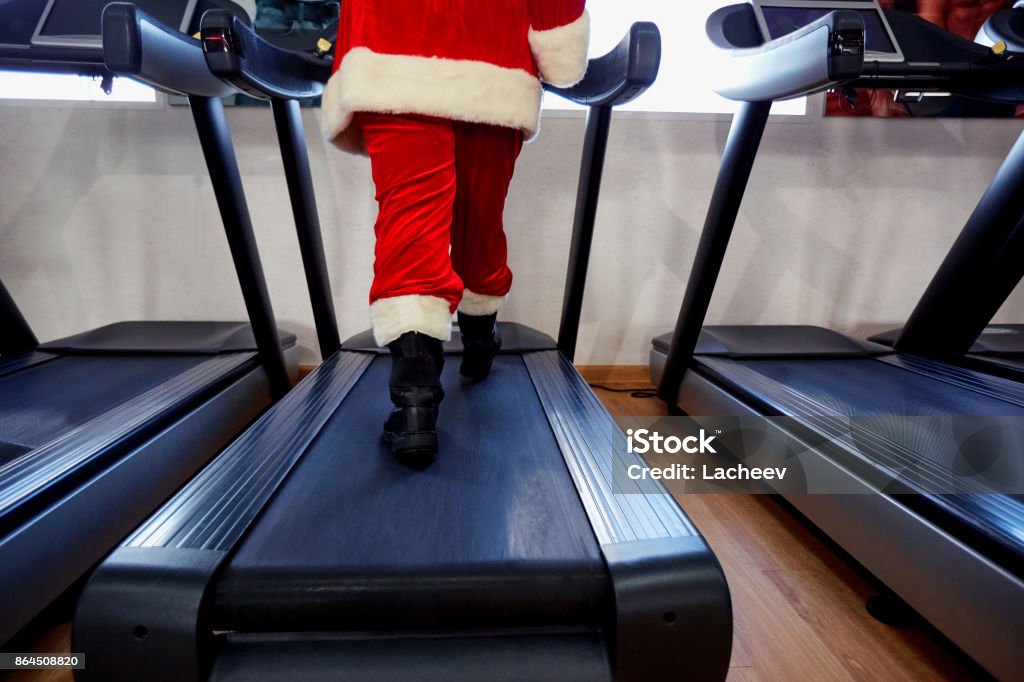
{"type": "Point", "coordinates": [292, 139]}
{"type": "Point", "coordinates": [595, 143]}
{"type": "Point", "coordinates": [212, 126]}
{"type": "Point", "coordinates": [17, 336]}
{"type": "Point", "coordinates": [740, 151]}
{"type": "Point", "coordinates": [979, 273]}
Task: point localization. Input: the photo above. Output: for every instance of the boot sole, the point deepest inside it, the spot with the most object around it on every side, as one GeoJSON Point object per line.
{"type": "Point", "coordinates": [417, 445]}
{"type": "Point", "coordinates": [475, 373]}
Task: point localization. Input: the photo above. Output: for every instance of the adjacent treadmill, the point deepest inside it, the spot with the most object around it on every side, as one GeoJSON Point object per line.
{"type": "Point", "coordinates": [63, 36]}
{"type": "Point", "coordinates": [953, 319]}
{"type": "Point", "coordinates": [100, 428]}
{"type": "Point", "coordinates": [307, 551]}
{"type": "Point", "coordinates": [911, 434]}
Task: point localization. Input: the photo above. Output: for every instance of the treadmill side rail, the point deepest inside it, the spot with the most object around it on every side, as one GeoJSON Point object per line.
{"type": "Point", "coordinates": [672, 605]}
{"type": "Point", "coordinates": [130, 616]}
{"type": "Point", "coordinates": [673, 610]}
{"type": "Point", "coordinates": [65, 537]}
{"type": "Point", "coordinates": [142, 610]}
{"type": "Point", "coordinates": [46, 468]}
{"type": "Point", "coordinates": [214, 510]}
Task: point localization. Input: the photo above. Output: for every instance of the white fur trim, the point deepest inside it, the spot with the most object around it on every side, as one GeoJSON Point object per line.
{"type": "Point", "coordinates": [392, 317]}
{"type": "Point", "coordinates": [480, 304]}
{"type": "Point", "coordinates": [336, 117]}
{"type": "Point", "coordinates": [561, 52]}
{"type": "Point", "coordinates": [462, 90]}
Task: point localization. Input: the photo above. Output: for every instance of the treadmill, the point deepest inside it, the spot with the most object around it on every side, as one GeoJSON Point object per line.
{"type": "Point", "coordinates": [307, 551]}
{"type": "Point", "coordinates": [953, 319]}
{"type": "Point", "coordinates": [885, 428]}
{"type": "Point", "coordinates": [98, 429]}
{"type": "Point", "coordinates": [63, 36]}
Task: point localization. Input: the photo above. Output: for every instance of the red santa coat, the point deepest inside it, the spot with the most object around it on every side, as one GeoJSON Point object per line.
{"type": "Point", "coordinates": [469, 60]}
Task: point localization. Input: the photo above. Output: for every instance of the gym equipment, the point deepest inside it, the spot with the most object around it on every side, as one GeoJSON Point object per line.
{"type": "Point", "coordinates": [100, 428]}
{"type": "Point", "coordinates": [307, 550]}
{"type": "Point", "coordinates": [953, 320]}
{"type": "Point", "coordinates": [956, 558]}
{"type": "Point", "coordinates": [63, 36]}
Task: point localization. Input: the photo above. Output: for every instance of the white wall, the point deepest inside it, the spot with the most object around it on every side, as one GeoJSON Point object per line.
{"type": "Point", "coordinates": [108, 215]}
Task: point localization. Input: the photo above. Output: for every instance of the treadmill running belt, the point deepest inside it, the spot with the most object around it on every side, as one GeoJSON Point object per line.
{"type": "Point", "coordinates": [491, 535]}
{"type": "Point", "coordinates": [41, 403]}
{"type": "Point", "coordinates": [869, 387]}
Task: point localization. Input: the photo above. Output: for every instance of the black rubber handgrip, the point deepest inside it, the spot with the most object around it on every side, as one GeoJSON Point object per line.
{"type": "Point", "coordinates": [623, 74]}
{"type": "Point", "coordinates": [244, 60]}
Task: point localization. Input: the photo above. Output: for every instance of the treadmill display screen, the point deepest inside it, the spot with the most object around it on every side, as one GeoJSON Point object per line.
{"type": "Point", "coordinates": [784, 20]}
{"type": "Point", "coordinates": [81, 18]}
{"type": "Point", "coordinates": [19, 20]}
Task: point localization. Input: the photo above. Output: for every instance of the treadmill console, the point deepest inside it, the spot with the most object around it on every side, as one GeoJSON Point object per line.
{"type": "Point", "coordinates": [777, 18]}
{"type": "Point", "coordinates": [76, 23]}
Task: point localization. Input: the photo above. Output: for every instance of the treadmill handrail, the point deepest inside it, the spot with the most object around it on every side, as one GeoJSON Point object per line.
{"type": "Point", "coordinates": [614, 79]}
{"type": "Point", "coordinates": [820, 56]}
{"type": "Point", "coordinates": [138, 46]}
{"type": "Point", "coordinates": [621, 75]}
{"type": "Point", "coordinates": [242, 59]}
{"type": "Point", "coordinates": [1000, 28]}
{"type": "Point", "coordinates": [232, 47]}
{"type": "Point", "coordinates": [251, 65]}
{"type": "Point", "coordinates": [235, 53]}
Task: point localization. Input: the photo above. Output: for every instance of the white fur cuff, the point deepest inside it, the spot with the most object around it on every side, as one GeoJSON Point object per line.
{"type": "Point", "coordinates": [463, 90]}
{"type": "Point", "coordinates": [561, 53]}
{"type": "Point", "coordinates": [480, 304]}
{"type": "Point", "coordinates": [392, 317]}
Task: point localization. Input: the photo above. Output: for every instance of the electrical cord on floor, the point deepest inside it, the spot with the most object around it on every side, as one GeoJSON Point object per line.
{"type": "Point", "coordinates": [633, 392]}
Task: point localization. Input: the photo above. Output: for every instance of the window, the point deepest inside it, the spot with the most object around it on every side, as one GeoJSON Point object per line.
{"type": "Point", "coordinates": [685, 80]}
{"type": "Point", "coordinates": [20, 85]}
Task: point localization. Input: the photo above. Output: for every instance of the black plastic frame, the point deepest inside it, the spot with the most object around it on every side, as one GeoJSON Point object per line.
{"type": "Point", "coordinates": [616, 78]}
{"type": "Point", "coordinates": [984, 265]}
{"type": "Point", "coordinates": [740, 152]}
{"type": "Point", "coordinates": [18, 336]}
{"type": "Point", "coordinates": [130, 629]}
{"type": "Point", "coordinates": [66, 533]}
{"type": "Point", "coordinates": [138, 46]}
{"type": "Point", "coordinates": [292, 140]}
{"type": "Point", "coordinates": [673, 610]}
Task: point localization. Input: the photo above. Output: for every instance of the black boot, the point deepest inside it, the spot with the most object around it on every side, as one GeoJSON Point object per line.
{"type": "Point", "coordinates": [481, 341]}
{"type": "Point", "coordinates": [411, 429]}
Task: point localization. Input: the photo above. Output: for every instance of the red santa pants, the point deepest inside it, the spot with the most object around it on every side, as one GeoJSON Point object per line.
{"type": "Point", "coordinates": [441, 188]}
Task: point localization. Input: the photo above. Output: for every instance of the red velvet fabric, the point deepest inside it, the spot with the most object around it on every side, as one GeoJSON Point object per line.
{"type": "Point", "coordinates": [441, 185]}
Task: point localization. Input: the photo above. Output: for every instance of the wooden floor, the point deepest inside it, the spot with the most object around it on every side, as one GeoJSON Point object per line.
{"type": "Point", "coordinates": [798, 606]}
